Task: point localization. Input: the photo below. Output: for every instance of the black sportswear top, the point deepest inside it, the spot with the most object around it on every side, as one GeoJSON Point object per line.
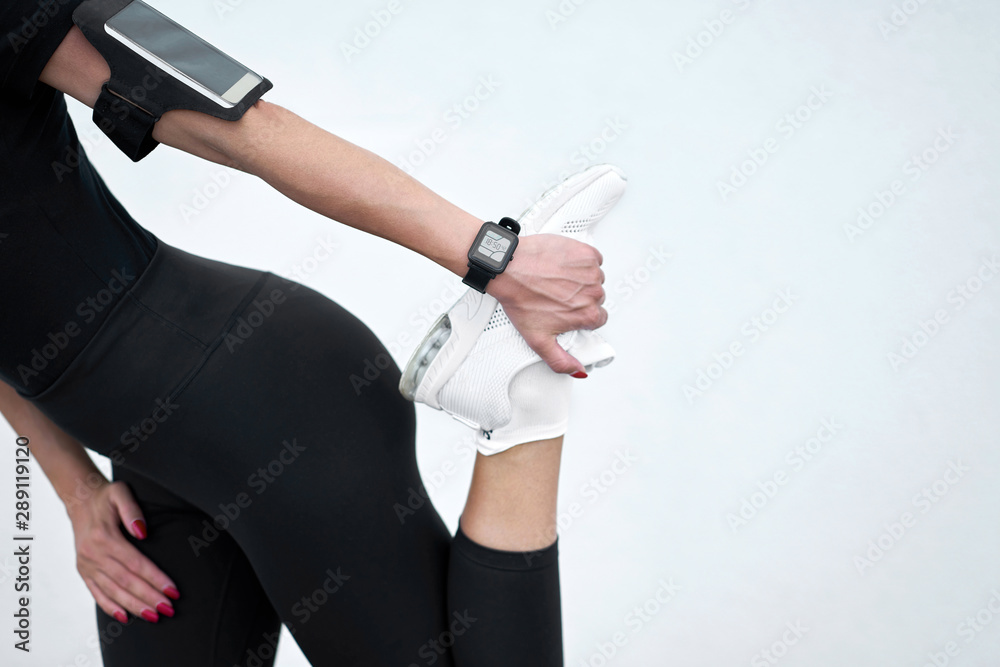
{"type": "Point", "coordinates": [68, 249]}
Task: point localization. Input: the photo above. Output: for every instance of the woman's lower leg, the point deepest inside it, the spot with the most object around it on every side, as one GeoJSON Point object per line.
{"type": "Point", "coordinates": [504, 570]}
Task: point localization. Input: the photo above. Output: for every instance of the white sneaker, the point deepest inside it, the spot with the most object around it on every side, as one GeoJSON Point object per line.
{"type": "Point", "coordinates": [467, 363]}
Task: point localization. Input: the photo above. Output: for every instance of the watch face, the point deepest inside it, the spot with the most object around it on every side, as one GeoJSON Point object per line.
{"type": "Point", "coordinates": [493, 247]}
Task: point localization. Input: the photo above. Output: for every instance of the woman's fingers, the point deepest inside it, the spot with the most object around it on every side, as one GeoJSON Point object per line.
{"type": "Point", "coordinates": [128, 509]}
{"type": "Point", "coordinates": [554, 355]}
{"type": "Point", "coordinates": [131, 516]}
{"type": "Point", "coordinates": [110, 607]}
{"type": "Point", "coordinates": [111, 587]}
{"type": "Point", "coordinates": [132, 571]}
{"type": "Point", "coordinates": [147, 571]}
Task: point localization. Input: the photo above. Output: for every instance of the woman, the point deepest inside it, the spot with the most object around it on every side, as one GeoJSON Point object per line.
{"type": "Point", "coordinates": [257, 484]}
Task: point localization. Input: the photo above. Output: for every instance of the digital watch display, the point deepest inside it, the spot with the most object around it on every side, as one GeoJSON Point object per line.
{"type": "Point", "coordinates": [491, 251]}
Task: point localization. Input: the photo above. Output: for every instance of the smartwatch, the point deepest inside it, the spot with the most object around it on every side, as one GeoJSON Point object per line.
{"type": "Point", "coordinates": [490, 252]}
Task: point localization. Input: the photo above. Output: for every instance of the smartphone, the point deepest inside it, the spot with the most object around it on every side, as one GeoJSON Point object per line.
{"type": "Point", "coordinates": [182, 54]}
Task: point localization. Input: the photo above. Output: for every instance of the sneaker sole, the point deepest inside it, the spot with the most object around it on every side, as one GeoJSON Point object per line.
{"type": "Point", "coordinates": [447, 342]}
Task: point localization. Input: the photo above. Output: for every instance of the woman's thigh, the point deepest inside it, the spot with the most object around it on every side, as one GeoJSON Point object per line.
{"type": "Point", "coordinates": [294, 438]}
{"type": "Point", "coordinates": [223, 618]}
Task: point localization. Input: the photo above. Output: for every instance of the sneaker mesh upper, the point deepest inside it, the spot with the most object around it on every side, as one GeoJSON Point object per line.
{"type": "Point", "coordinates": [479, 390]}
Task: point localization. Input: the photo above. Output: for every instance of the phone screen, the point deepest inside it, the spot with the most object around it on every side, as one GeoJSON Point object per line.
{"type": "Point", "coordinates": [140, 25]}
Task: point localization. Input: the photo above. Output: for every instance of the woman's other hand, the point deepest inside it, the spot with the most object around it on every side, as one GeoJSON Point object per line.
{"type": "Point", "coordinates": [119, 576]}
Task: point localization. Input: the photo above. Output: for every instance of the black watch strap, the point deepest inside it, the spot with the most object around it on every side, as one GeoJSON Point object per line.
{"type": "Point", "coordinates": [127, 125]}
{"type": "Point", "coordinates": [477, 278]}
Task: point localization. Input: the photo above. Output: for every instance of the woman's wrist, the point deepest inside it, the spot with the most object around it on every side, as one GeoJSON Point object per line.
{"type": "Point", "coordinates": [87, 484]}
{"type": "Point", "coordinates": [455, 243]}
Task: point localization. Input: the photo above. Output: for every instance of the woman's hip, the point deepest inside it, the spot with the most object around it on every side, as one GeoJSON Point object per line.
{"type": "Point", "coordinates": [242, 333]}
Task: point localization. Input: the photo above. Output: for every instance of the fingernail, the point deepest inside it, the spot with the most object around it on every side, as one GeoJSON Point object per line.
{"type": "Point", "coordinates": [120, 616]}
{"type": "Point", "coordinates": [579, 374]}
{"type": "Point", "coordinates": [139, 528]}
{"type": "Point", "coordinates": [171, 592]}
{"type": "Point", "coordinates": [165, 609]}
{"type": "Point", "coordinates": [149, 615]}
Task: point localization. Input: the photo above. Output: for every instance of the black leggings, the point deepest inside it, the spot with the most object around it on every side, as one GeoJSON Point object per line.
{"type": "Point", "coordinates": [272, 469]}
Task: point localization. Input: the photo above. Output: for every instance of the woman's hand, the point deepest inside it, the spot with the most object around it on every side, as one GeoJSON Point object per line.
{"type": "Point", "coordinates": [553, 284]}
{"type": "Point", "coordinates": [118, 575]}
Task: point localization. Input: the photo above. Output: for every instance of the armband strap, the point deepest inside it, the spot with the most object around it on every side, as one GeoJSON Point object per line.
{"type": "Point", "coordinates": [127, 125]}
{"type": "Point", "coordinates": [139, 92]}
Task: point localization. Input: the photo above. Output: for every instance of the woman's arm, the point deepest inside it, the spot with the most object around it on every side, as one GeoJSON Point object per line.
{"type": "Point", "coordinates": [554, 284]}
{"type": "Point", "coordinates": [118, 575]}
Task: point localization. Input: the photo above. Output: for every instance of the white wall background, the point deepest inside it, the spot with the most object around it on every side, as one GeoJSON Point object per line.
{"type": "Point", "coordinates": [894, 78]}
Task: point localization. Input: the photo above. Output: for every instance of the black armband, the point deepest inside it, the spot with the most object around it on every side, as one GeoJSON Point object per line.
{"type": "Point", "coordinates": [156, 66]}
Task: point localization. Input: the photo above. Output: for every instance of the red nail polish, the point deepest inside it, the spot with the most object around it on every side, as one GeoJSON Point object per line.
{"type": "Point", "coordinates": [165, 609]}
{"type": "Point", "coordinates": [139, 527]}
{"type": "Point", "coordinates": [150, 615]}
{"type": "Point", "coordinates": [120, 616]}
{"type": "Point", "coordinates": [171, 592]}
{"type": "Point", "coordinates": [580, 374]}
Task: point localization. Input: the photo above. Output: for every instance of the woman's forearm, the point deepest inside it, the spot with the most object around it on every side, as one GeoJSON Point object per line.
{"type": "Point", "coordinates": [63, 460]}
{"type": "Point", "coordinates": [330, 176]}
{"type": "Point", "coordinates": [308, 164]}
